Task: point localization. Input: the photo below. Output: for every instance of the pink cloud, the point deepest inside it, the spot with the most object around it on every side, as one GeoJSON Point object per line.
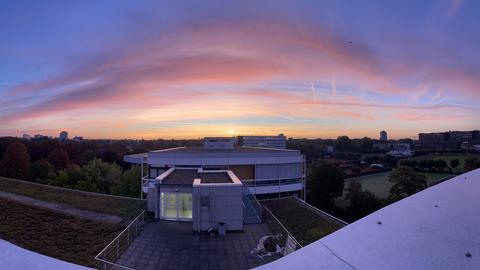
{"type": "Point", "coordinates": [162, 73]}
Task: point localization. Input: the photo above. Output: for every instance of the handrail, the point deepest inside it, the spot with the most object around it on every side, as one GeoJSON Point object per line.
{"type": "Point", "coordinates": [310, 206]}
{"type": "Point", "coordinates": [320, 211]}
{"type": "Point", "coordinates": [274, 179]}
{"type": "Point", "coordinates": [247, 194]}
{"type": "Point", "coordinates": [281, 225]}
{"type": "Point", "coordinates": [101, 256]}
{"type": "Point", "coordinates": [258, 205]}
{"type": "Point", "coordinates": [114, 264]}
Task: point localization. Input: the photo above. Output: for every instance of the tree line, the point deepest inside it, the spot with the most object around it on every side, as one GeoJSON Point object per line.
{"type": "Point", "coordinates": [95, 176]}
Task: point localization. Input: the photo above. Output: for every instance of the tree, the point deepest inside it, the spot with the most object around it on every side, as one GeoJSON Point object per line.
{"type": "Point", "coordinates": [15, 161]}
{"type": "Point", "coordinates": [440, 164]}
{"type": "Point", "coordinates": [408, 162]}
{"type": "Point", "coordinates": [426, 164]}
{"type": "Point", "coordinates": [61, 180]}
{"type": "Point", "coordinates": [362, 203]}
{"type": "Point", "coordinates": [130, 184]}
{"type": "Point", "coordinates": [75, 177]}
{"type": "Point", "coordinates": [454, 163]}
{"type": "Point", "coordinates": [353, 188]}
{"type": "Point", "coordinates": [103, 174]}
{"type": "Point", "coordinates": [325, 181]}
{"type": "Point", "coordinates": [344, 143]}
{"type": "Point", "coordinates": [58, 158]}
{"type": "Point", "coordinates": [109, 155]}
{"type": "Point", "coordinates": [471, 163]}
{"type": "Point", "coordinates": [42, 171]}
{"type": "Point", "coordinates": [407, 182]}
{"type": "Point", "coordinates": [366, 144]}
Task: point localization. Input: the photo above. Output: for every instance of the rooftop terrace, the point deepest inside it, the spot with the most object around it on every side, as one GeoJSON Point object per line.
{"type": "Point", "coordinates": [214, 178]}
{"type": "Point", "coordinates": [172, 245]}
{"type": "Point", "coordinates": [187, 176]}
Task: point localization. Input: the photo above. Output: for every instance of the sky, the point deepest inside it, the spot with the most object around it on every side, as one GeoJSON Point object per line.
{"type": "Point", "coordinates": [188, 69]}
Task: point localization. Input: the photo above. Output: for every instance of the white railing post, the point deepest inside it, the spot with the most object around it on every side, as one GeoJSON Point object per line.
{"type": "Point", "coordinates": [141, 182]}
{"type": "Point", "coordinates": [118, 249]}
{"type": "Point", "coordinates": [128, 236]}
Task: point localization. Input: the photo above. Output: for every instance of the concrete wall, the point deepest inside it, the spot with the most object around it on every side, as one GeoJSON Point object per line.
{"type": "Point", "coordinates": [225, 205]}
{"type": "Point", "coordinates": [151, 199]}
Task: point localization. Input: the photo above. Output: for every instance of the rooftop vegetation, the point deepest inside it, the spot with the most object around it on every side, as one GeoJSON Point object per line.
{"type": "Point", "coordinates": [115, 205]}
{"type": "Point", "coordinates": [57, 235]}
{"type": "Point", "coordinates": [304, 223]}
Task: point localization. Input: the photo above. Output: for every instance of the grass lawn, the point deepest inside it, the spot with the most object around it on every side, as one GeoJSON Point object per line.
{"type": "Point", "coordinates": [120, 206]}
{"type": "Point", "coordinates": [379, 185]}
{"type": "Point", "coordinates": [66, 237]}
{"type": "Point", "coordinates": [303, 223]}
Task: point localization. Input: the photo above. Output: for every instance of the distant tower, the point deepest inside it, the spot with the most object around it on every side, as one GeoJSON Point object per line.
{"type": "Point", "coordinates": [63, 136]}
{"type": "Point", "coordinates": [383, 136]}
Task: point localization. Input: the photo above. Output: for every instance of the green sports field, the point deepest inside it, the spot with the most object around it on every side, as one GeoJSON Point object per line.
{"type": "Point", "coordinates": [379, 185]}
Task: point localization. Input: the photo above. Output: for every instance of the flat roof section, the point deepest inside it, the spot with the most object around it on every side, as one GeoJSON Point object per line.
{"type": "Point", "coordinates": [236, 149]}
{"type": "Point", "coordinates": [214, 178]}
{"type": "Point", "coordinates": [16, 258]}
{"type": "Point", "coordinates": [180, 177]}
{"type": "Point", "coordinates": [187, 176]}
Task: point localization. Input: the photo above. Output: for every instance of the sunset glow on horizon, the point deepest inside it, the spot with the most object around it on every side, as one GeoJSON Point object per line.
{"type": "Point", "coordinates": [140, 69]}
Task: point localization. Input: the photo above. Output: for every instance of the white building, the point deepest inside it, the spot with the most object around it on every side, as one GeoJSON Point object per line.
{"type": "Point", "coordinates": [263, 172]}
{"type": "Point", "coordinates": [205, 197]}
{"type": "Point", "coordinates": [279, 141]}
{"type": "Point", "coordinates": [218, 143]}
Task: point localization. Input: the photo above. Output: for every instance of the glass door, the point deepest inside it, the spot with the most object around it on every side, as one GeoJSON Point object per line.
{"type": "Point", "coordinates": [176, 206]}
{"type": "Point", "coordinates": [169, 205]}
{"type": "Point", "coordinates": [185, 206]}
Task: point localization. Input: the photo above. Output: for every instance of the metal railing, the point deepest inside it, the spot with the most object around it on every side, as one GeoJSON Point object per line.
{"type": "Point", "coordinates": [287, 240]}
{"type": "Point", "coordinates": [249, 198]}
{"type": "Point", "coordinates": [272, 181]}
{"type": "Point", "coordinates": [318, 211]}
{"type": "Point", "coordinates": [111, 253]}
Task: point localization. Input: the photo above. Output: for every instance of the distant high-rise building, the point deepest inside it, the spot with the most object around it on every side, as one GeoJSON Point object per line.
{"type": "Point", "coordinates": [26, 136]}
{"type": "Point", "coordinates": [383, 136]}
{"type": "Point", "coordinates": [63, 136]}
{"type": "Point", "coordinates": [279, 141]}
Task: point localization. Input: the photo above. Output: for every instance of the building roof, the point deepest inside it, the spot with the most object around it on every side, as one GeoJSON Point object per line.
{"type": "Point", "coordinates": [214, 178]}
{"type": "Point", "coordinates": [187, 176]}
{"type": "Point", "coordinates": [135, 158]}
{"type": "Point", "coordinates": [434, 229]}
{"type": "Point", "coordinates": [200, 156]}
{"type": "Point", "coordinates": [16, 258]}
{"type": "Point", "coordinates": [236, 149]}
{"type": "Point", "coordinates": [180, 177]}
